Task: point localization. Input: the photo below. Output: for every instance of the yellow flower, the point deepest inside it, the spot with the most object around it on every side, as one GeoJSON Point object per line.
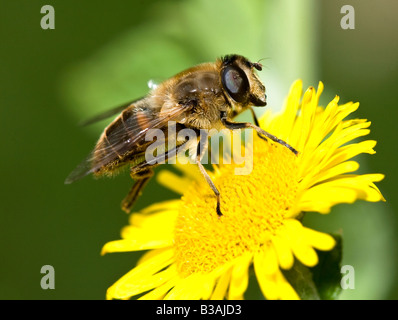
{"type": "Point", "coordinates": [194, 254]}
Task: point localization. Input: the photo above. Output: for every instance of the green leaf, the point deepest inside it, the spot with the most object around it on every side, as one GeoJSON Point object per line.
{"type": "Point", "coordinates": [321, 282]}
{"type": "Point", "coordinates": [301, 279]}
{"type": "Point", "coordinates": [327, 273]}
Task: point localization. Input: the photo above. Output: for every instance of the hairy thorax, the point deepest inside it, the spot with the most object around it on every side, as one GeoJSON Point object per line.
{"type": "Point", "coordinates": [199, 91]}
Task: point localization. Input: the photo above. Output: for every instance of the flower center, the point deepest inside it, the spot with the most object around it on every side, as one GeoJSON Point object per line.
{"type": "Point", "coordinates": [253, 207]}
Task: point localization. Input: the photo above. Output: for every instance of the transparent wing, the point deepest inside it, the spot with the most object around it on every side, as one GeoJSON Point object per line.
{"type": "Point", "coordinates": [108, 113]}
{"type": "Point", "coordinates": [124, 135]}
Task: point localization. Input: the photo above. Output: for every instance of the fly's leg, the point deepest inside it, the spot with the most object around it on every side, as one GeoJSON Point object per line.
{"type": "Point", "coordinates": [161, 158]}
{"type": "Point", "coordinates": [203, 142]}
{"type": "Point", "coordinates": [142, 178]}
{"type": "Point", "coordinates": [256, 122]}
{"type": "Point", "coordinates": [142, 173]}
{"type": "Point", "coordinates": [261, 133]}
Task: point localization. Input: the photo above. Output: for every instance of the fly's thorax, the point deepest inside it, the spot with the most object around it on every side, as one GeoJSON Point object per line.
{"type": "Point", "coordinates": [200, 91]}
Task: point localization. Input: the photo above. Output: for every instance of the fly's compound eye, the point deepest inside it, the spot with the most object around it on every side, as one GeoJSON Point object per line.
{"type": "Point", "coordinates": [235, 82]}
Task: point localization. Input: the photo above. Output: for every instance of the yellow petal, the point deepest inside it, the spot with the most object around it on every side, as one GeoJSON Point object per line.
{"type": "Point", "coordinates": [267, 284]}
{"type": "Point", "coordinates": [140, 243]}
{"type": "Point", "coordinates": [318, 240]}
{"type": "Point", "coordinates": [283, 252]}
{"type": "Point", "coordinates": [222, 285]}
{"type": "Point", "coordinates": [189, 170]}
{"type": "Point", "coordinates": [143, 277]}
{"type": "Point", "coordinates": [342, 189]}
{"type": "Point", "coordinates": [189, 288]}
{"type": "Point", "coordinates": [301, 249]}
{"type": "Point", "coordinates": [345, 167]}
{"type": "Point", "coordinates": [347, 152]}
{"type": "Point", "coordinates": [306, 254]}
{"type": "Point", "coordinates": [150, 254]}
{"type": "Point", "coordinates": [239, 277]}
{"type": "Point", "coordinates": [270, 260]}
{"type": "Point", "coordinates": [156, 225]}
{"type": "Point", "coordinates": [337, 114]}
{"type": "Point", "coordinates": [159, 292]}
{"type": "Point", "coordinates": [161, 207]}
{"type": "Point", "coordinates": [173, 182]}
{"type": "Point", "coordinates": [307, 114]}
{"type": "Point", "coordinates": [315, 160]}
{"type": "Point", "coordinates": [282, 124]}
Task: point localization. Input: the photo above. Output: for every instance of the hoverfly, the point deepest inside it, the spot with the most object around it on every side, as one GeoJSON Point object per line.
{"type": "Point", "coordinates": [206, 96]}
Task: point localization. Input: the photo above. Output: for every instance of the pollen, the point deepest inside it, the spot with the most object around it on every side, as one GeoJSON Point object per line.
{"type": "Point", "coordinates": [254, 207]}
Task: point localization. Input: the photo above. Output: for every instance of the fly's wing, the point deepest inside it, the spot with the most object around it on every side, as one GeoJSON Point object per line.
{"type": "Point", "coordinates": [108, 113]}
{"type": "Point", "coordinates": [123, 135]}
{"type": "Point", "coordinates": [152, 84]}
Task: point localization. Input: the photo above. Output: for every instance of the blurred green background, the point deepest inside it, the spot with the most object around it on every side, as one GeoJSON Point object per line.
{"type": "Point", "coordinates": [102, 54]}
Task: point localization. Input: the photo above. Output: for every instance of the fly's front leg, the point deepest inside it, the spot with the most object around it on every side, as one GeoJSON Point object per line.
{"type": "Point", "coordinates": [256, 122]}
{"type": "Point", "coordinates": [203, 142]}
{"type": "Point", "coordinates": [261, 133]}
{"type": "Point", "coordinates": [234, 113]}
